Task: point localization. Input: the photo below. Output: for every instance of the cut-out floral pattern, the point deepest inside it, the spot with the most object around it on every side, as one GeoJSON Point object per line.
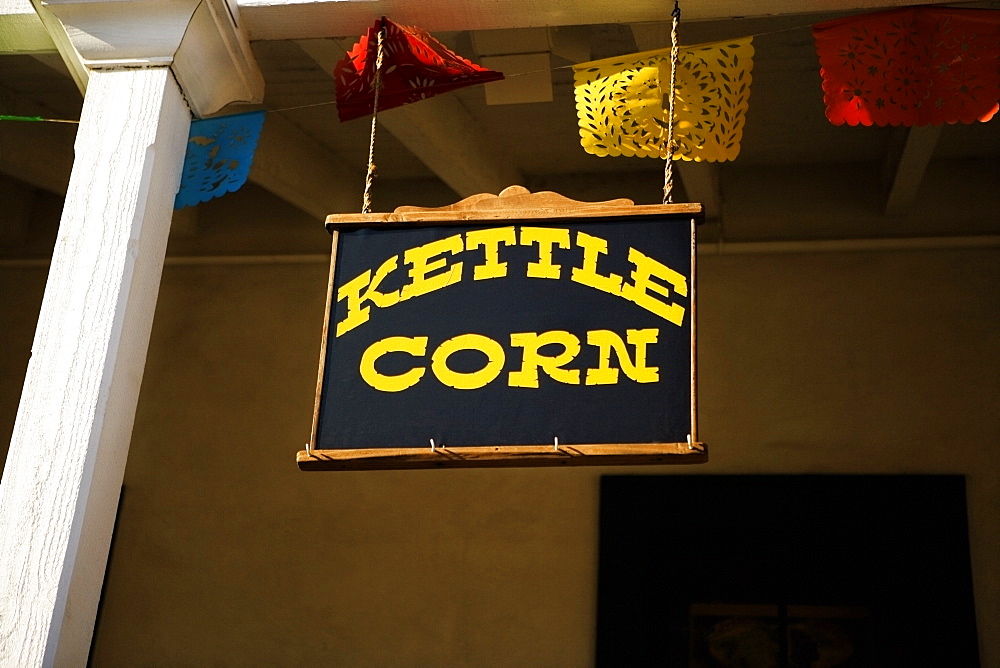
{"type": "Point", "coordinates": [219, 155]}
{"type": "Point", "coordinates": [415, 66]}
{"type": "Point", "coordinates": [914, 66]}
{"type": "Point", "coordinates": [622, 106]}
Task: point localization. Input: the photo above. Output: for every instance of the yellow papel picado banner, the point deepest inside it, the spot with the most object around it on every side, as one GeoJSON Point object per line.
{"type": "Point", "coordinates": [622, 105]}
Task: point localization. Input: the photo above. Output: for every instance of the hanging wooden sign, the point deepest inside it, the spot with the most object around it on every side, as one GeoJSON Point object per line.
{"type": "Point", "coordinates": [513, 330]}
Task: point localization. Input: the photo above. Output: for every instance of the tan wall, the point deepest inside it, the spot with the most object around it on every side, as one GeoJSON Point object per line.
{"type": "Point", "coordinates": [227, 555]}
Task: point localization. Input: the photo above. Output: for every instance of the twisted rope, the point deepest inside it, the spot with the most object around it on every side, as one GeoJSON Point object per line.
{"type": "Point", "coordinates": [366, 207]}
{"type": "Point", "coordinates": [668, 168]}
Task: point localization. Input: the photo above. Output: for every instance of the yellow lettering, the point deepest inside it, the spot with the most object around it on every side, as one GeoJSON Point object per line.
{"type": "Point", "coordinates": [605, 340]}
{"type": "Point", "coordinates": [533, 358]}
{"type": "Point", "coordinates": [363, 288]}
{"type": "Point", "coordinates": [422, 264]}
{"type": "Point", "coordinates": [587, 274]}
{"type": "Point", "coordinates": [641, 287]}
{"type": "Point", "coordinates": [546, 238]}
{"type": "Point", "coordinates": [490, 240]}
{"type": "Point", "coordinates": [495, 359]}
{"type": "Point", "coordinates": [415, 346]}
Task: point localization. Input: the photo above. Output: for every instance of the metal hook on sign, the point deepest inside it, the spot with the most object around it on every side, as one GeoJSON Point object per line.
{"type": "Point", "coordinates": [555, 443]}
{"type": "Point", "coordinates": [433, 447]}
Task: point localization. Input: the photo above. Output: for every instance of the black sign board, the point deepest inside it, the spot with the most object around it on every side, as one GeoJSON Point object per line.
{"type": "Point", "coordinates": [509, 336]}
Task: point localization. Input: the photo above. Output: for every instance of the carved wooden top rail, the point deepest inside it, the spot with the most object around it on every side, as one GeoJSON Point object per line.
{"type": "Point", "coordinates": [514, 203]}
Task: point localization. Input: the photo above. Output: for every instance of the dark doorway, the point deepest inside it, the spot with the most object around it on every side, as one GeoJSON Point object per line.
{"type": "Point", "coordinates": [816, 570]}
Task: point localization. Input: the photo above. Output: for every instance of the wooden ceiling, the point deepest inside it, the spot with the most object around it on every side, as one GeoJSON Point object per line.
{"type": "Point", "coordinates": [792, 161]}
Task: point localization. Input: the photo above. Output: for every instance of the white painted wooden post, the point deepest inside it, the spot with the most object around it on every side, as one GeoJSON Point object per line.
{"type": "Point", "coordinates": [64, 470]}
{"type": "Point", "coordinates": [67, 455]}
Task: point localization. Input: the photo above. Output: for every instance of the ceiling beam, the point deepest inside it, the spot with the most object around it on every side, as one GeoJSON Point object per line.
{"type": "Point", "coordinates": [907, 156]}
{"type": "Point", "coordinates": [277, 19]}
{"type": "Point", "coordinates": [63, 44]}
{"type": "Point", "coordinates": [649, 36]}
{"type": "Point", "coordinates": [21, 30]}
{"type": "Point", "coordinates": [297, 19]}
{"type": "Point", "coordinates": [440, 132]}
{"type": "Point", "coordinates": [199, 40]}
{"type": "Point", "coordinates": [444, 136]}
{"type": "Point", "coordinates": [296, 168]}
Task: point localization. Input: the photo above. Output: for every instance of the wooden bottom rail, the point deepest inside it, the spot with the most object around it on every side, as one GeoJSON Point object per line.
{"type": "Point", "coordinates": [375, 459]}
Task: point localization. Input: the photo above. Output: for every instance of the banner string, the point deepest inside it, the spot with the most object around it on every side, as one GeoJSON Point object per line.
{"type": "Point", "coordinates": [555, 69]}
{"type": "Point", "coordinates": [6, 117]}
{"type": "Point", "coordinates": [34, 119]}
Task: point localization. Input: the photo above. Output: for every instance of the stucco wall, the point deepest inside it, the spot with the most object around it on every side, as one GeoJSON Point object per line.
{"type": "Point", "coordinates": [227, 555]}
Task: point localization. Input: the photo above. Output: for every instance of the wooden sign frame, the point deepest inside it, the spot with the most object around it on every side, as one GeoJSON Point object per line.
{"type": "Point", "coordinates": [513, 204]}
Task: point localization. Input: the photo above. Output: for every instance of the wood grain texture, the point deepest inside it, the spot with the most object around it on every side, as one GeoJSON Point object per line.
{"type": "Point", "coordinates": [317, 402]}
{"type": "Point", "coordinates": [514, 203]}
{"type": "Point", "coordinates": [375, 459]}
{"type": "Point", "coordinates": [67, 455]}
{"type": "Point", "coordinates": [693, 315]}
{"type": "Point", "coordinates": [198, 39]}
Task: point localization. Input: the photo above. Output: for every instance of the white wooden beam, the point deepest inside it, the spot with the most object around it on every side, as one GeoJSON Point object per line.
{"type": "Point", "coordinates": [701, 184]}
{"type": "Point", "coordinates": [440, 132]}
{"type": "Point", "coordinates": [199, 39]}
{"type": "Point", "coordinates": [66, 461]}
{"type": "Point", "coordinates": [311, 19]}
{"type": "Point", "coordinates": [906, 161]}
{"type": "Point", "coordinates": [67, 456]}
